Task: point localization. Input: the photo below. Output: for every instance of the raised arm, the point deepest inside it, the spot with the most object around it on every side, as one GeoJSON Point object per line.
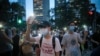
{"type": "Point", "coordinates": [82, 41]}
{"type": "Point", "coordinates": [27, 35]}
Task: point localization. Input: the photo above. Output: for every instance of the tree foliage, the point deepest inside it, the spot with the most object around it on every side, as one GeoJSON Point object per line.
{"type": "Point", "coordinates": [4, 10]}
{"type": "Point", "coordinates": [9, 12]}
{"type": "Point", "coordinates": [71, 11]}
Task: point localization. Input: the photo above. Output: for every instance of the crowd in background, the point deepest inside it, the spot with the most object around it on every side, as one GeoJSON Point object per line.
{"type": "Point", "coordinates": [13, 42]}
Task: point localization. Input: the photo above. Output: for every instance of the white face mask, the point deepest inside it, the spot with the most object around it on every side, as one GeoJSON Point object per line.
{"type": "Point", "coordinates": [44, 32]}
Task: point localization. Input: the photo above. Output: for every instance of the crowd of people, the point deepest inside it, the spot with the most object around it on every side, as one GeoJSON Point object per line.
{"type": "Point", "coordinates": [48, 42]}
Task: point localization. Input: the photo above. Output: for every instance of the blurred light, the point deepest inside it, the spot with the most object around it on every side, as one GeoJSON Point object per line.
{"type": "Point", "coordinates": [19, 21]}
{"type": "Point", "coordinates": [39, 34]}
{"type": "Point", "coordinates": [64, 28]}
{"type": "Point", "coordinates": [85, 27]}
{"type": "Point", "coordinates": [90, 13]}
{"type": "Point", "coordinates": [53, 31]}
{"type": "Point", "coordinates": [75, 21]}
{"type": "Point", "coordinates": [32, 14]}
{"type": "Point", "coordinates": [1, 25]}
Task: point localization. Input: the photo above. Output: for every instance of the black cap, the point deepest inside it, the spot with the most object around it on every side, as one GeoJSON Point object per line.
{"type": "Point", "coordinates": [44, 24]}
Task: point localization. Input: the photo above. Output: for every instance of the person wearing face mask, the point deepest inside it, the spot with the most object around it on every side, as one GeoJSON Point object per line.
{"type": "Point", "coordinates": [46, 47]}
{"type": "Point", "coordinates": [71, 42]}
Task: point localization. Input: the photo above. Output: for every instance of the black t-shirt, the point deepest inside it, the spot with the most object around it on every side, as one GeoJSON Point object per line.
{"type": "Point", "coordinates": [96, 37]}
{"type": "Point", "coordinates": [16, 41]}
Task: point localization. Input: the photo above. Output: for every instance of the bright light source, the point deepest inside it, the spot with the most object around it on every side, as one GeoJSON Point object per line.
{"type": "Point", "coordinates": [39, 34]}
{"type": "Point", "coordinates": [32, 18]}
{"type": "Point", "coordinates": [90, 13]}
{"type": "Point", "coordinates": [85, 27]}
{"type": "Point", "coordinates": [19, 21]}
{"type": "Point", "coordinates": [75, 21]}
{"type": "Point", "coordinates": [32, 14]}
{"type": "Point", "coordinates": [1, 25]}
{"type": "Point", "coordinates": [64, 28]}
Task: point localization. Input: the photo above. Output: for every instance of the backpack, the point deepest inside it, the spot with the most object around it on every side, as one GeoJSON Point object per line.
{"type": "Point", "coordinates": [53, 41]}
{"type": "Point", "coordinates": [41, 39]}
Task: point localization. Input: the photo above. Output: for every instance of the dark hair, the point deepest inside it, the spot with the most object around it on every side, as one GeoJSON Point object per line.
{"type": "Point", "coordinates": [7, 31]}
{"type": "Point", "coordinates": [44, 24]}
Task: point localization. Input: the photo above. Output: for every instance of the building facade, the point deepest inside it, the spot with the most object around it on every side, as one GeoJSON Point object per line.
{"type": "Point", "coordinates": [41, 9]}
{"type": "Point", "coordinates": [23, 3]}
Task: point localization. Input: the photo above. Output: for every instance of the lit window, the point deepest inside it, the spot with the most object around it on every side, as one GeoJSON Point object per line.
{"type": "Point", "coordinates": [36, 8]}
{"type": "Point", "coordinates": [39, 14]}
{"type": "Point", "coordinates": [40, 7]}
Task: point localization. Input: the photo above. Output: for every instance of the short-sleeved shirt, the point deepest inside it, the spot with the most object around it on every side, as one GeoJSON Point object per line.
{"type": "Point", "coordinates": [47, 48]}
{"type": "Point", "coordinates": [71, 43]}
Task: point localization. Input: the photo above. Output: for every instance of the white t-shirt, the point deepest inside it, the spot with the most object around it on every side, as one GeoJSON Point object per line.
{"type": "Point", "coordinates": [47, 48]}
{"type": "Point", "coordinates": [71, 42]}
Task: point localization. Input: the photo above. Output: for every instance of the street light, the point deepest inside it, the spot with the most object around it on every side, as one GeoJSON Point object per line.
{"type": "Point", "coordinates": [1, 25]}
{"type": "Point", "coordinates": [65, 28]}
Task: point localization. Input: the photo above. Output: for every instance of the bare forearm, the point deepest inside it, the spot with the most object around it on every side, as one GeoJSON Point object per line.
{"type": "Point", "coordinates": [29, 24]}
{"type": "Point", "coordinates": [7, 38]}
{"type": "Point", "coordinates": [94, 41]}
{"type": "Point", "coordinates": [27, 36]}
{"type": "Point", "coordinates": [85, 36]}
{"type": "Point", "coordinates": [57, 54]}
{"type": "Point", "coordinates": [84, 40]}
